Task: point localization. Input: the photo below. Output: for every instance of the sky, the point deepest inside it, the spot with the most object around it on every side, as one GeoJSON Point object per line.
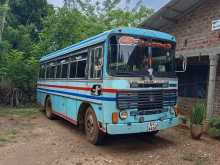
{"type": "Point", "coordinates": [155, 4]}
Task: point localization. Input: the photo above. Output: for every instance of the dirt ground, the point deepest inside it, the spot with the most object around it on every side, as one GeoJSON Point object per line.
{"type": "Point", "coordinates": [34, 140]}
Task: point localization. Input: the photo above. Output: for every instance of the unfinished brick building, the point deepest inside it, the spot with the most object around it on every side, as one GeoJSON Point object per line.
{"type": "Point", "coordinates": [196, 25]}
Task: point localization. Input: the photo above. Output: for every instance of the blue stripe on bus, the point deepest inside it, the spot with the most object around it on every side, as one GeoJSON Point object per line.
{"type": "Point", "coordinates": [79, 95]}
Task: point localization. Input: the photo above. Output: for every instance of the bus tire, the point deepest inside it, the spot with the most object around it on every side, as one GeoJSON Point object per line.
{"type": "Point", "coordinates": [48, 109]}
{"type": "Point", "coordinates": [93, 134]}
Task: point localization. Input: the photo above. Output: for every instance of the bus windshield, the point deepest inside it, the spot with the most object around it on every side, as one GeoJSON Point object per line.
{"type": "Point", "coordinates": [136, 56]}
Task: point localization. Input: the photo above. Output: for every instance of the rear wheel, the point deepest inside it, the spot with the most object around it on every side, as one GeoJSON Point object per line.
{"type": "Point", "coordinates": [93, 134]}
{"type": "Point", "coordinates": [48, 109]}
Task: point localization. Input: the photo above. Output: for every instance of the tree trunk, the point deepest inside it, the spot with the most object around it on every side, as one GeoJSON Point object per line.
{"type": "Point", "coordinates": [16, 97]}
{"type": "Point", "coordinates": [3, 20]}
{"type": "Point", "coordinates": [11, 97]}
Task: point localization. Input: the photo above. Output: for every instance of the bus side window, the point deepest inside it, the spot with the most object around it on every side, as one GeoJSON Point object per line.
{"type": "Point", "coordinates": [96, 62]}
{"type": "Point", "coordinates": [92, 71]}
{"type": "Point", "coordinates": [52, 72]}
{"type": "Point", "coordinates": [64, 70]}
{"type": "Point", "coordinates": [58, 72]}
{"type": "Point", "coordinates": [42, 72]}
{"type": "Point", "coordinates": [73, 69]}
{"type": "Point", "coordinates": [81, 68]}
{"type": "Point", "coordinates": [48, 71]}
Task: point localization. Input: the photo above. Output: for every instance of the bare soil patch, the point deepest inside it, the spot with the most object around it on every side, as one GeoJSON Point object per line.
{"type": "Point", "coordinates": [34, 140]}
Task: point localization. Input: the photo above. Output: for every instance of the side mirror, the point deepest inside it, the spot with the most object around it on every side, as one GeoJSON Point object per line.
{"type": "Point", "coordinates": [181, 64]}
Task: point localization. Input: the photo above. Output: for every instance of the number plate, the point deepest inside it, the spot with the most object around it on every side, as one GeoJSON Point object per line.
{"type": "Point", "coordinates": [152, 126]}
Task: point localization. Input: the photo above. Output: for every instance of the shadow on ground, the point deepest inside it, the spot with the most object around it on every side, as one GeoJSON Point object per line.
{"type": "Point", "coordinates": [124, 143]}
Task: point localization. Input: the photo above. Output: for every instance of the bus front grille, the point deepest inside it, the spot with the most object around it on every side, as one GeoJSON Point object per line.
{"type": "Point", "coordinates": [146, 101]}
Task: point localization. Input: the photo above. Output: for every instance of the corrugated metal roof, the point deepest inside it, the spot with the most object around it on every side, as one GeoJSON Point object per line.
{"type": "Point", "coordinates": [170, 14]}
{"type": "Point", "coordinates": [103, 36]}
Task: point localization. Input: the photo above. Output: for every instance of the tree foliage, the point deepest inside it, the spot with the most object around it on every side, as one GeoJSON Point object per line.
{"type": "Point", "coordinates": [33, 28]}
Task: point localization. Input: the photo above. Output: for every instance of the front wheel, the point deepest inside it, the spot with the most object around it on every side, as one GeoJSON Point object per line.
{"type": "Point", "coordinates": [93, 134]}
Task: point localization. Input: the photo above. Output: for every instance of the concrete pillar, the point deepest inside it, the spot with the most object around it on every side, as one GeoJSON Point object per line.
{"type": "Point", "coordinates": [211, 85]}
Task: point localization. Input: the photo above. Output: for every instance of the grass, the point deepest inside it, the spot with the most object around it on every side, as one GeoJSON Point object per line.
{"type": "Point", "coordinates": [188, 156]}
{"type": "Point", "coordinates": [195, 158]}
{"type": "Point", "coordinates": [18, 112]}
{"type": "Point", "coordinates": [7, 136]}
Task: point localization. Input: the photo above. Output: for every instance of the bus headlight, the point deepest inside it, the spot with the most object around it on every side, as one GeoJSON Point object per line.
{"type": "Point", "coordinates": [123, 115]}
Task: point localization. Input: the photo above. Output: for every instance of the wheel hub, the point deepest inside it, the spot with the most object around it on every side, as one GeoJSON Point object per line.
{"type": "Point", "coordinates": [90, 124]}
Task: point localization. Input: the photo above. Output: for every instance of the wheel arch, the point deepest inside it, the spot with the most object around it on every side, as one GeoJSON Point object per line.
{"type": "Point", "coordinates": [81, 112]}
{"type": "Point", "coordinates": [45, 100]}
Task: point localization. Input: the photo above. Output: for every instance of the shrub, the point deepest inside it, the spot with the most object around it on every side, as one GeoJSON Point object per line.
{"type": "Point", "coordinates": [214, 127]}
{"type": "Point", "coordinates": [198, 113]}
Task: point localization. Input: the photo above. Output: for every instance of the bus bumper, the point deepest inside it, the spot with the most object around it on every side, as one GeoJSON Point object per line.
{"type": "Point", "coordinates": [114, 129]}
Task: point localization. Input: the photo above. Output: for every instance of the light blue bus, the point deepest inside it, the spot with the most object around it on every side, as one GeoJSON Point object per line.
{"type": "Point", "coordinates": [121, 81]}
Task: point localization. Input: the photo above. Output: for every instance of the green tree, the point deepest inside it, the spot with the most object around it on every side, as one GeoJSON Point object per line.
{"type": "Point", "coordinates": [68, 27]}
{"type": "Point", "coordinates": [3, 11]}
{"type": "Point", "coordinates": [19, 76]}
{"type": "Point", "coordinates": [33, 28]}
{"type": "Point", "coordinates": [83, 19]}
{"type": "Point", "coordinates": [27, 12]}
{"type": "Point", "coordinates": [19, 47]}
{"type": "Point", "coordinates": [121, 17]}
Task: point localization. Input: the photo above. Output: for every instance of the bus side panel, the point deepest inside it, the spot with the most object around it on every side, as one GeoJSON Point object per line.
{"type": "Point", "coordinates": [109, 108]}
{"type": "Point", "coordinates": [58, 104]}
{"type": "Point", "coordinates": [98, 109]}
{"type": "Point", "coordinates": [71, 110]}
{"type": "Point", "coordinates": [41, 98]}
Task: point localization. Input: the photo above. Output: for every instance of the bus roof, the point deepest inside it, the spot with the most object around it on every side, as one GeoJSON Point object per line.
{"type": "Point", "coordinates": [103, 36]}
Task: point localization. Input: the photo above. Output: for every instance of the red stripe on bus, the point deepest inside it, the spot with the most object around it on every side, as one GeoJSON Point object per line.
{"type": "Point", "coordinates": [66, 118]}
{"type": "Point", "coordinates": [66, 87]}
{"type": "Point", "coordinates": [107, 90]}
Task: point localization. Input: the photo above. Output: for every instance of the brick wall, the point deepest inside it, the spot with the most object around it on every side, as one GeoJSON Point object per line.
{"type": "Point", "coordinates": [186, 104]}
{"type": "Point", "coordinates": [193, 31]}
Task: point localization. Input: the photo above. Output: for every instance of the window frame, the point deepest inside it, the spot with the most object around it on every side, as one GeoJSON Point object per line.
{"type": "Point", "coordinates": [90, 63]}
{"type": "Point", "coordinates": [39, 73]}
{"type": "Point", "coordinates": [47, 66]}
{"type": "Point", "coordinates": [58, 64]}
{"type": "Point", "coordinates": [63, 63]}
{"type": "Point", "coordinates": [73, 59]}
{"type": "Point", "coordinates": [51, 66]}
{"type": "Point", "coordinates": [134, 35]}
{"type": "Point", "coordinates": [70, 63]}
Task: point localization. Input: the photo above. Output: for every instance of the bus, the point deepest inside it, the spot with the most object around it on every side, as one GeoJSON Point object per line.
{"type": "Point", "coordinates": [122, 81]}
